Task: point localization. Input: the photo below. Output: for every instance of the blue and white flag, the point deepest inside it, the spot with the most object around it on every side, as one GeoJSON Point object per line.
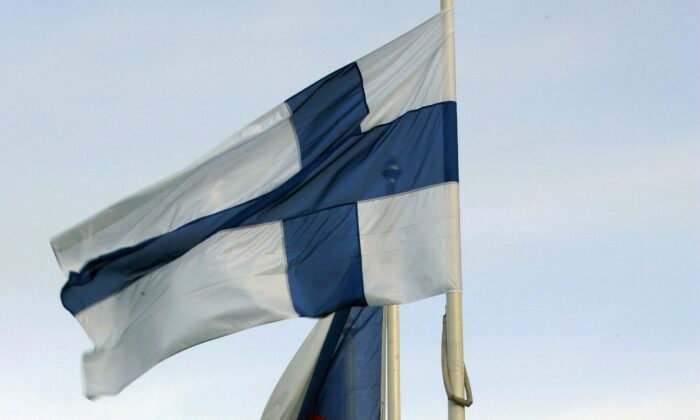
{"type": "Point", "coordinates": [344, 195]}
{"type": "Point", "coordinates": [336, 373]}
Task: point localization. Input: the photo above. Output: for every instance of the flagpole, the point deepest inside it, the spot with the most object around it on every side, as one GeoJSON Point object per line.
{"type": "Point", "coordinates": [391, 313]}
{"type": "Point", "coordinates": [382, 406]}
{"type": "Point", "coordinates": [455, 359]}
{"type": "Point", "coordinates": [453, 307]}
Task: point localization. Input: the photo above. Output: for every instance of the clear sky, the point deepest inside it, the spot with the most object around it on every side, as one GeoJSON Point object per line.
{"type": "Point", "coordinates": [580, 188]}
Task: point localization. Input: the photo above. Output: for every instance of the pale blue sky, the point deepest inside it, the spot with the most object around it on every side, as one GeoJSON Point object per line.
{"type": "Point", "coordinates": [580, 186]}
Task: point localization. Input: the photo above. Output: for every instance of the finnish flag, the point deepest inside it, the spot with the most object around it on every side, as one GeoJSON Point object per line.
{"type": "Point", "coordinates": [344, 195]}
{"type": "Point", "coordinates": [337, 371]}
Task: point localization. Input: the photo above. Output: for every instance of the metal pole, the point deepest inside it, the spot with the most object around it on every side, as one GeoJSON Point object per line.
{"type": "Point", "coordinates": [455, 359]}
{"type": "Point", "coordinates": [383, 377]}
{"type": "Point", "coordinates": [393, 363]}
{"type": "Point", "coordinates": [453, 308]}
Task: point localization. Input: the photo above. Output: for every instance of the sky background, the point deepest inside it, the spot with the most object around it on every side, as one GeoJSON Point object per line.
{"type": "Point", "coordinates": [579, 129]}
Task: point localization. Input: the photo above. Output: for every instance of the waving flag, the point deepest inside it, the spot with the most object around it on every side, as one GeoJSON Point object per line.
{"type": "Point", "coordinates": [336, 374]}
{"type": "Point", "coordinates": [343, 195]}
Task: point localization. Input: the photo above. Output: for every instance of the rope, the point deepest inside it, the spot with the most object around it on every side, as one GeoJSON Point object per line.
{"type": "Point", "coordinates": [447, 382]}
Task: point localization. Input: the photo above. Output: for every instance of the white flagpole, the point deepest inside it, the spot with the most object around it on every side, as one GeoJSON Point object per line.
{"type": "Point", "coordinates": [391, 314]}
{"type": "Point", "coordinates": [382, 415]}
{"type": "Point", "coordinates": [455, 359]}
{"type": "Point", "coordinates": [453, 308]}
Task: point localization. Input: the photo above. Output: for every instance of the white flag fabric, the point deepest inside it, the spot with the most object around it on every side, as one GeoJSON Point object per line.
{"type": "Point", "coordinates": [344, 195]}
